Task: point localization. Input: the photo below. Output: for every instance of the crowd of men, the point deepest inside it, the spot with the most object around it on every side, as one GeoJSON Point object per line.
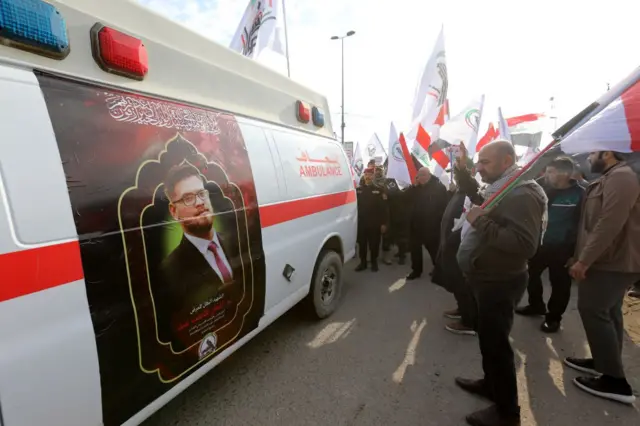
{"type": "Point", "coordinates": [587, 232]}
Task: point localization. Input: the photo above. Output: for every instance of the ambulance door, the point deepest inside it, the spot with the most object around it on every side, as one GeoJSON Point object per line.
{"type": "Point", "coordinates": [49, 370]}
{"type": "Point", "coordinates": [271, 192]}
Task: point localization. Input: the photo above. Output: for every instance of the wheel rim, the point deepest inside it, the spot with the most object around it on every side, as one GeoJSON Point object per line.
{"type": "Point", "coordinates": [328, 285]}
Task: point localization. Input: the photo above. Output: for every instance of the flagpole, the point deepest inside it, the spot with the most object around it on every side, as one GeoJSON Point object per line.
{"type": "Point", "coordinates": [286, 37]}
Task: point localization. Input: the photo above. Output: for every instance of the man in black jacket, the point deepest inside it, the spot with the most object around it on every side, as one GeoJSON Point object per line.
{"type": "Point", "coordinates": [565, 198]}
{"type": "Point", "coordinates": [398, 232]}
{"type": "Point", "coordinates": [373, 218]}
{"type": "Point", "coordinates": [453, 280]}
{"type": "Point", "coordinates": [427, 200]}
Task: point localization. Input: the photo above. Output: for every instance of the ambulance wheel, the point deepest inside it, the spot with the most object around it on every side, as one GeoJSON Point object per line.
{"type": "Point", "coordinates": [326, 285]}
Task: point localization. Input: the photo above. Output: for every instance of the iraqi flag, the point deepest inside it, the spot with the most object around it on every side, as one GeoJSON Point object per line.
{"type": "Point", "coordinates": [525, 130]}
{"type": "Point", "coordinates": [611, 123]}
{"type": "Point", "coordinates": [615, 128]}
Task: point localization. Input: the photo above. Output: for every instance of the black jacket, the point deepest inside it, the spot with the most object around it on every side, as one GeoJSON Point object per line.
{"type": "Point", "coordinates": [186, 282]}
{"type": "Point", "coordinates": [373, 210]}
{"type": "Point", "coordinates": [505, 238]}
{"type": "Point", "coordinates": [426, 206]}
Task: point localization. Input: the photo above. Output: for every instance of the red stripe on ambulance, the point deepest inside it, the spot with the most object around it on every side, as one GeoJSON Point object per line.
{"type": "Point", "coordinates": [275, 214]}
{"type": "Point", "coordinates": [29, 271]}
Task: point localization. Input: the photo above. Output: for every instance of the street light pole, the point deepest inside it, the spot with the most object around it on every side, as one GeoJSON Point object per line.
{"type": "Point", "coordinates": [342, 103]}
{"type": "Point", "coordinates": [341, 38]}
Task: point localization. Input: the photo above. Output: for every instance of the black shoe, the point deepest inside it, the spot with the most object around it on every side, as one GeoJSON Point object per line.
{"type": "Point", "coordinates": [476, 387]}
{"type": "Point", "coordinates": [361, 267]}
{"type": "Point", "coordinates": [413, 276]}
{"type": "Point", "coordinates": [530, 311]}
{"type": "Point", "coordinates": [492, 417]}
{"type": "Point", "coordinates": [550, 326]}
{"type": "Point", "coordinates": [374, 266]}
{"type": "Point", "coordinates": [607, 387]}
{"type": "Point", "coordinates": [584, 365]}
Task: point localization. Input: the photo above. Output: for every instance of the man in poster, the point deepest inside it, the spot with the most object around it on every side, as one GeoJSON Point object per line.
{"type": "Point", "coordinates": [191, 300]}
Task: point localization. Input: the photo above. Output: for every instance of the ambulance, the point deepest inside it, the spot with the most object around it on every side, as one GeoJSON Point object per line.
{"type": "Point", "coordinates": [162, 200]}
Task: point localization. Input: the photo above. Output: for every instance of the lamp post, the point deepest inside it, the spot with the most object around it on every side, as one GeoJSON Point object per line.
{"type": "Point", "coordinates": [341, 38]}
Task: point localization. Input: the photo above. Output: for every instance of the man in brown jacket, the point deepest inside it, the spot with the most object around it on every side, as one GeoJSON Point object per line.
{"type": "Point", "coordinates": [493, 256]}
{"type": "Point", "coordinates": [606, 264]}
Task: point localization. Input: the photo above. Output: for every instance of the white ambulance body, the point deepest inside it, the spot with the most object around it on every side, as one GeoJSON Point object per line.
{"type": "Point", "coordinates": [102, 104]}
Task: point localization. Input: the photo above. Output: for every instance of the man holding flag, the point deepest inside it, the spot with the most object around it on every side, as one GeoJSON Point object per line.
{"type": "Point", "coordinates": [493, 256]}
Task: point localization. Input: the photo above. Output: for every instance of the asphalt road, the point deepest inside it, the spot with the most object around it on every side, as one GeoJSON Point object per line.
{"type": "Point", "coordinates": [385, 359]}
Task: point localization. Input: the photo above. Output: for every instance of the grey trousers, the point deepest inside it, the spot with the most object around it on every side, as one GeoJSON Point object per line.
{"type": "Point", "coordinates": [600, 298]}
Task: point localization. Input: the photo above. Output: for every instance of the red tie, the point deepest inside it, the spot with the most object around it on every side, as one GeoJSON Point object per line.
{"type": "Point", "coordinates": [224, 271]}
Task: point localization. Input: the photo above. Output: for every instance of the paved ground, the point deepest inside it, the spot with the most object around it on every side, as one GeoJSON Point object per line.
{"type": "Point", "coordinates": [385, 359]}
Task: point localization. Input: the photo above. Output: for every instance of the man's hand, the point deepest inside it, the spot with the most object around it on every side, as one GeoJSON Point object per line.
{"type": "Point", "coordinates": [578, 271]}
{"type": "Point", "coordinates": [452, 187]}
{"type": "Point", "coordinates": [475, 213]}
{"type": "Point", "coordinates": [383, 229]}
{"type": "Point", "coordinates": [461, 161]}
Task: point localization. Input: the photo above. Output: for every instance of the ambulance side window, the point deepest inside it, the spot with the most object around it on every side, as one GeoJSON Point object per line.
{"type": "Point", "coordinates": [262, 157]}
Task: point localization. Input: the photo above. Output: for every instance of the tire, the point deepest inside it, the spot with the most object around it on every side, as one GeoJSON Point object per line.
{"type": "Point", "coordinates": [326, 285]}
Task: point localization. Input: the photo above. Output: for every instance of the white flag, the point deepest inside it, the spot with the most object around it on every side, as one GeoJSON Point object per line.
{"type": "Point", "coordinates": [503, 128]}
{"type": "Point", "coordinates": [431, 92]}
{"type": "Point", "coordinates": [261, 32]}
{"type": "Point", "coordinates": [397, 167]}
{"type": "Point", "coordinates": [463, 127]}
{"type": "Point", "coordinates": [374, 150]}
{"type": "Point", "coordinates": [358, 162]}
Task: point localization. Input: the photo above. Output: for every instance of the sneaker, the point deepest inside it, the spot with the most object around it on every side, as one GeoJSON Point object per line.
{"type": "Point", "coordinates": [412, 276]}
{"type": "Point", "coordinates": [550, 326]}
{"type": "Point", "coordinates": [492, 417]}
{"type": "Point", "coordinates": [401, 260]}
{"type": "Point", "coordinates": [607, 387]}
{"type": "Point", "coordinates": [361, 267]}
{"type": "Point", "coordinates": [459, 328]}
{"type": "Point", "coordinates": [453, 314]}
{"type": "Point", "coordinates": [585, 365]}
{"type": "Point", "coordinates": [476, 387]}
{"type": "Point", "coordinates": [530, 311]}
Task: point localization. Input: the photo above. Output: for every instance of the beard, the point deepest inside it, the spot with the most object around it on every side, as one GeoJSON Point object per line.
{"type": "Point", "coordinates": [199, 225]}
{"type": "Point", "coordinates": [598, 165]}
{"type": "Point", "coordinates": [487, 179]}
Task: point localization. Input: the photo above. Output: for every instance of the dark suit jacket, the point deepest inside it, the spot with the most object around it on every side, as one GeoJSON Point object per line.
{"type": "Point", "coordinates": [185, 285]}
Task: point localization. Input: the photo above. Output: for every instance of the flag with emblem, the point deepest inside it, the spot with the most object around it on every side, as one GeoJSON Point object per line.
{"type": "Point", "coordinates": [261, 34]}
{"type": "Point", "coordinates": [397, 167]}
{"type": "Point", "coordinates": [358, 162]}
{"type": "Point", "coordinates": [374, 150]}
{"type": "Point", "coordinates": [463, 127]}
{"type": "Point", "coordinates": [431, 90]}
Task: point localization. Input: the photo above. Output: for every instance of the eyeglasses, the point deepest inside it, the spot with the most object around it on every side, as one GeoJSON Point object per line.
{"type": "Point", "coordinates": [190, 199]}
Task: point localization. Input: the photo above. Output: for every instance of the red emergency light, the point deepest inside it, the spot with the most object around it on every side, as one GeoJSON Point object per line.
{"type": "Point", "coordinates": [119, 53]}
{"type": "Point", "coordinates": [303, 112]}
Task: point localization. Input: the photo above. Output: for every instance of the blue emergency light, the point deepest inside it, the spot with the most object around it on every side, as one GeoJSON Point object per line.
{"type": "Point", "coordinates": [35, 26]}
{"type": "Point", "coordinates": [318, 117]}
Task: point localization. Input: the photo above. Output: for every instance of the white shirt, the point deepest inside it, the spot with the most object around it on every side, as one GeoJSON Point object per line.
{"type": "Point", "coordinates": [203, 247]}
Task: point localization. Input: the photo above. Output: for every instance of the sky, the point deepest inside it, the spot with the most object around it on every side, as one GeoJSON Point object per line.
{"type": "Point", "coordinates": [517, 53]}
